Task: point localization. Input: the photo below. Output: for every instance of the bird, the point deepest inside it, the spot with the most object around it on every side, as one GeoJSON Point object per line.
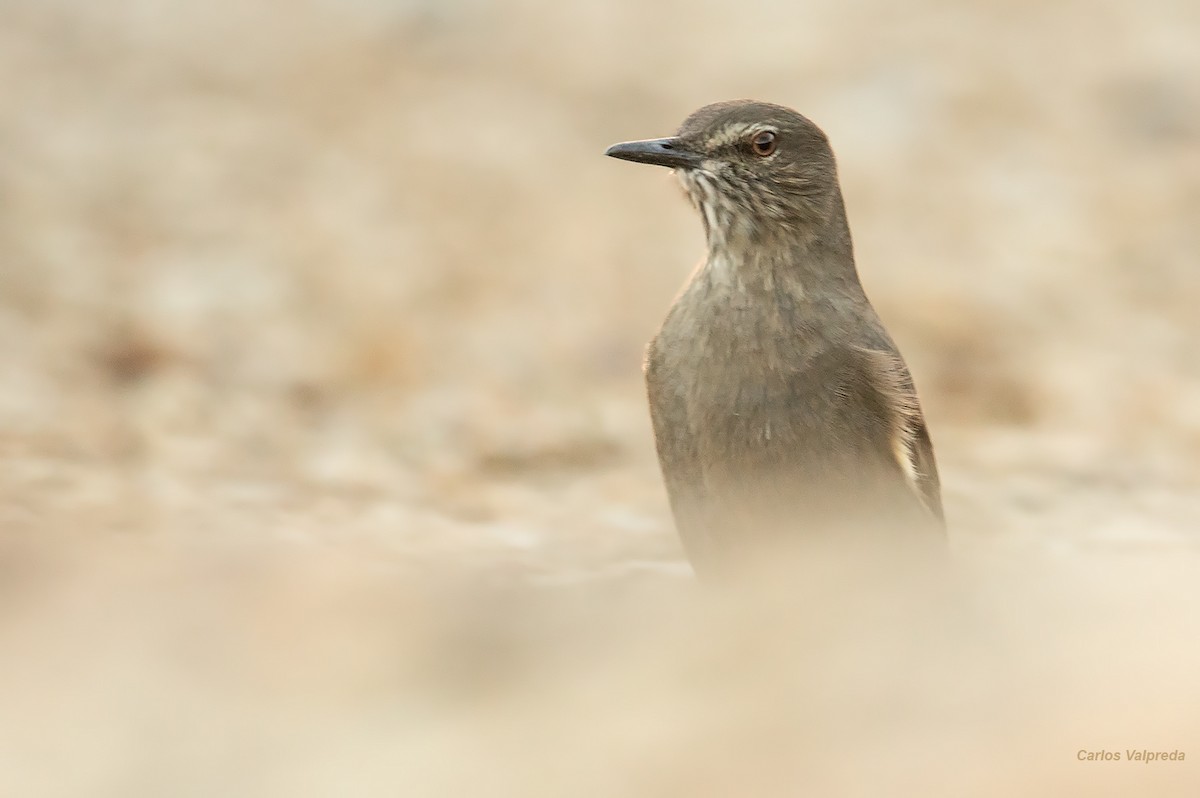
{"type": "Point", "coordinates": [782, 409]}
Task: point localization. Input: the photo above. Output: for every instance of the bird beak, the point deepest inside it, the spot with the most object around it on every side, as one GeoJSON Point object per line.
{"type": "Point", "coordinates": [660, 152]}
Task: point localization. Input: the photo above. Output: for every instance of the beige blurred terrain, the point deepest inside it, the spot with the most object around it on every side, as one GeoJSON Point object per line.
{"type": "Point", "coordinates": [325, 467]}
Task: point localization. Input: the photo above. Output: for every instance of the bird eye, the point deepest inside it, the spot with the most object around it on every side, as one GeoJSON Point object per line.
{"type": "Point", "coordinates": [763, 143]}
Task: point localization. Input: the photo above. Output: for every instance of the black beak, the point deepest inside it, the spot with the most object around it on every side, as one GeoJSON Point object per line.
{"type": "Point", "coordinates": [660, 152]}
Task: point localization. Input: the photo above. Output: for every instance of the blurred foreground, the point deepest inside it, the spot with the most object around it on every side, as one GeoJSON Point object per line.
{"type": "Point", "coordinates": [275, 671]}
{"type": "Point", "coordinates": [324, 460]}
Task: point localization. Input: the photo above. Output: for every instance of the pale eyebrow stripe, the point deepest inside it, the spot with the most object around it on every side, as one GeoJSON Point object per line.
{"type": "Point", "coordinates": [735, 132]}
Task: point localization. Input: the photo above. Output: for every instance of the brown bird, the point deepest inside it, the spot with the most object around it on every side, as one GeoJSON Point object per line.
{"type": "Point", "coordinates": [781, 407]}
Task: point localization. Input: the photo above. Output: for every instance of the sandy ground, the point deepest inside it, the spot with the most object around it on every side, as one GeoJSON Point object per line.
{"type": "Point", "coordinates": [324, 460]}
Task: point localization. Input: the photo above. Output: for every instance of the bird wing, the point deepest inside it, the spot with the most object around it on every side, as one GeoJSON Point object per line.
{"type": "Point", "coordinates": [910, 442]}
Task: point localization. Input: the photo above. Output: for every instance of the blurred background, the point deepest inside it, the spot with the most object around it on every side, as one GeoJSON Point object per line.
{"type": "Point", "coordinates": [324, 457]}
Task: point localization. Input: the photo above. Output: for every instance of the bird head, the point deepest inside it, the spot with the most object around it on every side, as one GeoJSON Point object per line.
{"type": "Point", "coordinates": [753, 169]}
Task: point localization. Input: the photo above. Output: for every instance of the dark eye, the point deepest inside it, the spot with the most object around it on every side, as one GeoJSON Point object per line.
{"type": "Point", "coordinates": [763, 143]}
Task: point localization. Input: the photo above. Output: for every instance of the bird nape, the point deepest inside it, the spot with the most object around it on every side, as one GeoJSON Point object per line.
{"type": "Point", "coordinates": [783, 413]}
